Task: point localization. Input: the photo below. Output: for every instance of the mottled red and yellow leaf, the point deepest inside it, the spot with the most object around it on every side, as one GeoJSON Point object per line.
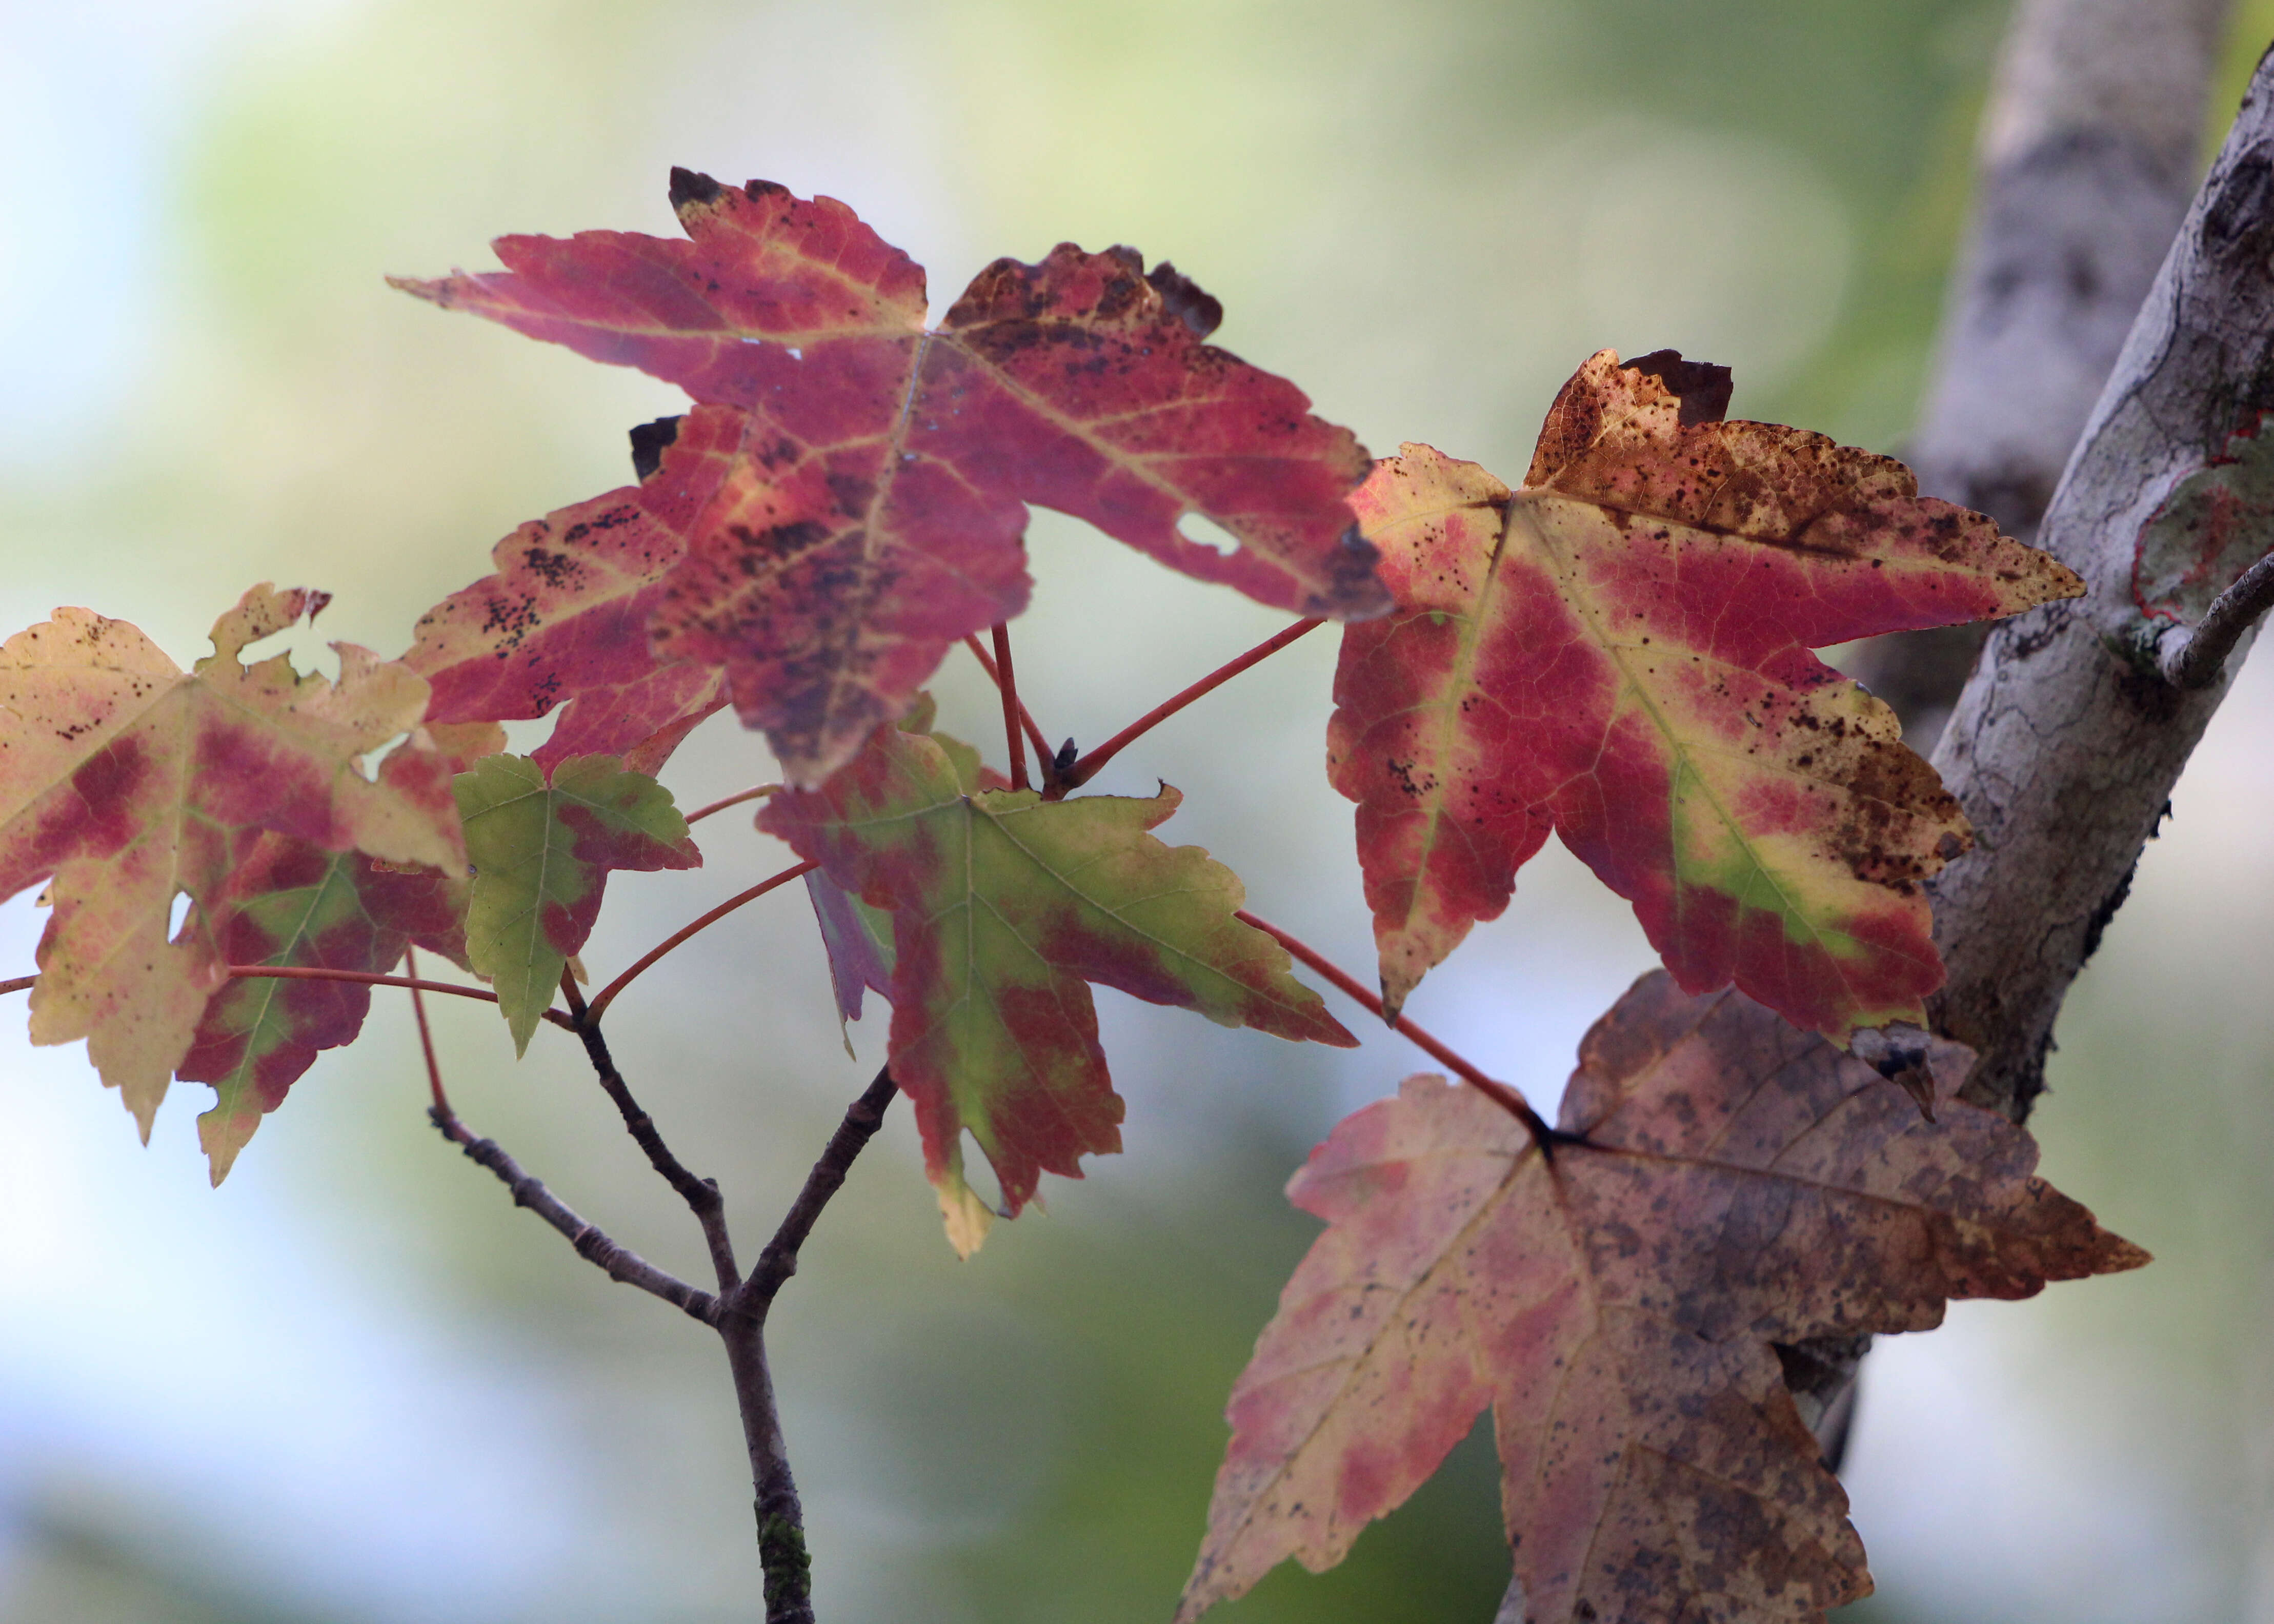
{"type": "Point", "coordinates": [563, 626]}
{"type": "Point", "coordinates": [1733, 1183]}
{"type": "Point", "coordinates": [131, 783]}
{"type": "Point", "coordinates": [291, 903]}
{"type": "Point", "coordinates": [1003, 907]}
{"type": "Point", "coordinates": [542, 847]}
{"type": "Point", "coordinates": [1620, 650]}
{"type": "Point", "coordinates": [859, 483]}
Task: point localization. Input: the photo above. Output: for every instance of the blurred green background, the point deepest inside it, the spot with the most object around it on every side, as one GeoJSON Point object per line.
{"type": "Point", "coordinates": [354, 1385]}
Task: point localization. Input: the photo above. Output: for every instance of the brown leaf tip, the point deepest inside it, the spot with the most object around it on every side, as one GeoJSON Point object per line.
{"type": "Point", "coordinates": [692, 189]}
{"type": "Point", "coordinates": [1197, 309]}
{"type": "Point", "coordinates": [649, 441]}
{"type": "Point", "coordinates": [1702, 387]}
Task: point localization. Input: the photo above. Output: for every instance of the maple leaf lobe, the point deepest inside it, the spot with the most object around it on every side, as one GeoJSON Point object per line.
{"type": "Point", "coordinates": [1003, 909]}
{"type": "Point", "coordinates": [852, 490]}
{"type": "Point", "coordinates": [128, 782]}
{"type": "Point", "coordinates": [1740, 1184]}
{"type": "Point", "coordinates": [1620, 650]}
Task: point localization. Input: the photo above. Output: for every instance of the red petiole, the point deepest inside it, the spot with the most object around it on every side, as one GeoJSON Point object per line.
{"type": "Point", "coordinates": [995, 675]}
{"type": "Point", "coordinates": [1499, 1093]}
{"type": "Point", "coordinates": [1087, 768]}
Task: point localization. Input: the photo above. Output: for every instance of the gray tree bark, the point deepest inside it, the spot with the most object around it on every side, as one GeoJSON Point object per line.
{"type": "Point", "coordinates": [2088, 155]}
{"type": "Point", "coordinates": [2068, 738]}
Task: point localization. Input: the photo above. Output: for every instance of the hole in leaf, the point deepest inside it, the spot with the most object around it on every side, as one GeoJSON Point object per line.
{"type": "Point", "coordinates": [178, 916]}
{"type": "Point", "coordinates": [368, 762]}
{"type": "Point", "coordinates": [1203, 532]}
{"type": "Point", "coordinates": [979, 1173]}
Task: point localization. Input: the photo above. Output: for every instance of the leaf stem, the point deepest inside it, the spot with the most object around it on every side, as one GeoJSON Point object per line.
{"type": "Point", "coordinates": [607, 994]}
{"type": "Point", "coordinates": [1500, 1093]}
{"type": "Point", "coordinates": [317, 973]}
{"type": "Point", "coordinates": [735, 799]}
{"type": "Point", "coordinates": [426, 1033]}
{"type": "Point", "coordinates": [1087, 766]}
{"type": "Point", "coordinates": [994, 675]}
{"type": "Point", "coordinates": [1007, 682]}
{"type": "Point", "coordinates": [21, 983]}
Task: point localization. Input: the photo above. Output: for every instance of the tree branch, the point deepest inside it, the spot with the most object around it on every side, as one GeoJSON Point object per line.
{"type": "Point", "coordinates": [701, 1194]}
{"type": "Point", "coordinates": [2197, 658]}
{"type": "Point", "coordinates": [619, 1263]}
{"type": "Point", "coordinates": [2062, 751]}
{"type": "Point", "coordinates": [2088, 156]}
{"type": "Point", "coordinates": [781, 1517]}
{"type": "Point", "coordinates": [778, 1261]}
{"type": "Point", "coordinates": [2066, 745]}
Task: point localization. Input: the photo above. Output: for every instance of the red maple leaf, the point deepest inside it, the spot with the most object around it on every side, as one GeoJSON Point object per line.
{"type": "Point", "coordinates": [852, 488]}
{"type": "Point", "coordinates": [1619, 650]}
{"type": "Point", "coordinates": [1730, 1184]}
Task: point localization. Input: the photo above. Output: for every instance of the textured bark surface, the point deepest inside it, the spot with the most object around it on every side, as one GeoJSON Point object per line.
{"type": "Point", "coordinates": [2088, 158]}
{"type": "Point", "coordinates": [2062, 753]}
{"type": "Point", "coordinates": [2067, 740]}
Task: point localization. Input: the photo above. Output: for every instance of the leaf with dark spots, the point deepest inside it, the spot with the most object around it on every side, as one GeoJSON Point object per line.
{"type": "Point", "coordinates": [563, 626]}
{"type": "Point", "coordinates": [1619, 651]}
{"type": "Point", "coordinates": [289, 903]}
{"type": "Point", "coordinates": [859, 485]}
{"type": "Point", "coordinates": [543, 847]}
{"type": "Point", "coordinates": [130, 782]}
{"type": "Point", "coordinates": [1002, 907]}
{"type": "Point", "coordinates": [1734, 1184]}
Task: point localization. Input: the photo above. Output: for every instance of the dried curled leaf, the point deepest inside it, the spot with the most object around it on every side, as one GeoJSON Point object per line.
{"type": "Point", "coordinates": [854, 488]}
{"type": "Point", "coordinates": [132, 782]}
{"type": "Point", "coordinates": [1003, 907]}
{"type": "Point", "coordinates": [1740, 1184]}
{"type": "Point", "coordinates": [1620, 651]}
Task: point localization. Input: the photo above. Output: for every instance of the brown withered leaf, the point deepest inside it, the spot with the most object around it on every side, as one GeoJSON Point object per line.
{"type": "Point", "coordinates": [1735, 1183]}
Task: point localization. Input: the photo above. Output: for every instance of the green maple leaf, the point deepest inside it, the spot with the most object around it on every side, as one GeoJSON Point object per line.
{"type": "Point", "coordinates": [1003, 907]}
{"type": "Point", "coordinates": [542, 851]}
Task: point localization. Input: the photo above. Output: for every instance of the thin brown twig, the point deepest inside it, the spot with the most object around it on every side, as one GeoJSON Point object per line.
{"type": "Point", "coordinates": [1026, 720]}
{"type": "Point", "coordinates": [701, 1194]}
{"type": "Point", "coordinates": [1500, 1093]}
{"type": "Point", "coordinates": [778, 1261]}
{"type": "Point", "coordinates": [316, 972]}
{"type": "Point", "coordinates": [618, 1262]}
{"type": "Point", "coordinates": [607, 994]}
{"type": "Point", "coordinates": [1087, 766]}
{"type": "Point", "coordinates": [735, 799]}
{"type": "Point", "coordinates": [781, 1517]}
